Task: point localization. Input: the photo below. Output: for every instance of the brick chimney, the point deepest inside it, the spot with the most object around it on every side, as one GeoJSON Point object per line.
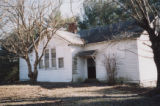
{"type": "Point", "coordinates": [72, 27]}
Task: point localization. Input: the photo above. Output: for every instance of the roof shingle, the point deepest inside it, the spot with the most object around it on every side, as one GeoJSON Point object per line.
{"type": "Point", "coordinates": [109, 32]}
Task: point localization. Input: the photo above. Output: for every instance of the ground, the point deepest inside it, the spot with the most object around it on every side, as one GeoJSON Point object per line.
{"type": "Point", "coordinates": [85, 94]}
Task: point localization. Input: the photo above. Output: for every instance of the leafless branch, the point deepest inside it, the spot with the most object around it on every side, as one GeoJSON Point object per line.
{"type": "Point", "coordinates": [30, 27]}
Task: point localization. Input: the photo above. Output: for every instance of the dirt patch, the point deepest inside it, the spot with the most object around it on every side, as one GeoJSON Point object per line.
{"type": "Point", "coordinates": [63, 94]}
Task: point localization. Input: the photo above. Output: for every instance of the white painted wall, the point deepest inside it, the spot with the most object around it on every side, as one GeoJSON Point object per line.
{"type": "Point", "coordinates": [129, 67]}
{"type": "Point", "coordinates": [52, 75]}
{"type": "Point", "coordinates": [23, 70]}
{"type": "Point", "coordinates": [132, 64]}
{"type": "Point", "coordinates": [147, 67]}
{"type": "Point", "coordinates": [80, 74]}
{"type": "Point", "coordinates": [126, 57]}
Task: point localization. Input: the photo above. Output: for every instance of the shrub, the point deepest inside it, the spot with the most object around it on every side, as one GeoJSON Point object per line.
{"type": "Point", "coordinates": [8, 70]}
{"type": "Point", "coordinates": [110, 65]}
{"type": "Point", "coordinates": [12, 75]}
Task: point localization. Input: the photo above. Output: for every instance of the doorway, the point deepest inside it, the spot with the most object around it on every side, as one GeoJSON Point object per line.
{"type": "Point", "coordinates": [91, 68]}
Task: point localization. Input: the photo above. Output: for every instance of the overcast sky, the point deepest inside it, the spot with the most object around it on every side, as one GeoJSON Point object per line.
{"type": "Point", "coordinates": [77, 6]}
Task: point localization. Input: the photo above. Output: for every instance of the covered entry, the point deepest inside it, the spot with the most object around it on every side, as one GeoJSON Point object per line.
{"type": "Point", "coordinates": [91, 65]}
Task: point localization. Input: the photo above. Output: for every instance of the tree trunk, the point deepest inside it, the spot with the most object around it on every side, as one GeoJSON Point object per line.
{"type": "Point", "coordinates": [155, 40]}
{"type": "Point", "coordinates": [32, 74]}
{"type": "Point", "coordinates": [35, 73]}
{"type": "Point", "coordinates": [156, 52]}
{"type": "Point", "coordinates": [158, 74]}
{"type": "Point", "coordinates": [157, 62]}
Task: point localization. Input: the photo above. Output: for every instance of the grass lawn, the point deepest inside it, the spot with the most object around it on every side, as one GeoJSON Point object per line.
{"type": "Point", "coordinates": [85, 94]}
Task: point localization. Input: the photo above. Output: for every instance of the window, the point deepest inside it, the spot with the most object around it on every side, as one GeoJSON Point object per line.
{"type": "Point", "coordinates": [49, 59]}
{"type": "Point", "coordinates": [53, 57]}
{"type": "Point", "coordinates": [61, 62]}
{"type": "Point", "coordinates": [74, 65]}
{"type": "Point", "coordinates": [46, 57]}
{"type": "Point", "coordinates": [41, 64]}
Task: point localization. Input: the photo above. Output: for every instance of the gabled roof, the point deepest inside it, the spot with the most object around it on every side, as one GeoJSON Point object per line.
{"type": "Point", "coordinates": [70, 37]}
{"type": "Point", "coordinates": [67, 36]}
{"type": "Point", "coordinates": [113, 31]}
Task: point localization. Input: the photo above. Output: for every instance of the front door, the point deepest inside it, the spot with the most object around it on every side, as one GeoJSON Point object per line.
{"type": "Point", "coordinates": [91, 68]}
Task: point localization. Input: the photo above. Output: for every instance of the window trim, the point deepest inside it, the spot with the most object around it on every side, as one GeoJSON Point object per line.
{"type": "Point", "coordinates": [50, 61]}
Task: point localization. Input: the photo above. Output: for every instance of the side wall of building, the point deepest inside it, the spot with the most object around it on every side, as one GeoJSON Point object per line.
{"type": "Point", "coordinates": [52, 74]}
{"type": "Point", "coordinates": [23, 70]}
{"type": "Point", "coordinates": [125, 54]}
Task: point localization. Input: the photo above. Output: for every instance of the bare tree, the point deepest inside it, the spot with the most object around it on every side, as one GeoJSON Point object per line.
{"type": "Point", "coordinates": [147, 17]}
{"type": "Point", "coordinates": [28, 25]}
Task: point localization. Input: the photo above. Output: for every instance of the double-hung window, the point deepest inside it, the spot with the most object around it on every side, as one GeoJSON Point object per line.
{"type": "Point", "coordinates": [49, 60]}
{"type": "Point", "coordinates": [53, 58]}
{"type": "Point", "coordinates": [46, 58]}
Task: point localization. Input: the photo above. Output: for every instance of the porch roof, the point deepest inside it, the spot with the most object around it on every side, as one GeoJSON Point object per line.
{"type": "Point", "coordinates": [86, 53]}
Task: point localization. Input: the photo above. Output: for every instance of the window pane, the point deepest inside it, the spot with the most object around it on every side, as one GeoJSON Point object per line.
{"type": "Point", "coordinates": [53, 57]}
{"type": "Point", "coordinates": [41, 64]}
{"type": "Point", "coordinates": [74, 65]}
{"type": "Point", "coordinates": [61, 62]}
{"type": "Point", "coordinates": [53, 53]}
{"type": "Point", "coordinates": [46, 58]}
{"type": "Point", "coordinates": [53, 62]}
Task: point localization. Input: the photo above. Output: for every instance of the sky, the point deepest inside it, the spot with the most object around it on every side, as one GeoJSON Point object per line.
{"type": "Point", "coordinates": [77, 8]}
{"type": "Point", "coordinates": [66, 10]}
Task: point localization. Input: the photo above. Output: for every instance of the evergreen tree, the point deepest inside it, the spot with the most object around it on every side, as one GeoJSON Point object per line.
{"type": "Point", "coordinates": [101, 12]}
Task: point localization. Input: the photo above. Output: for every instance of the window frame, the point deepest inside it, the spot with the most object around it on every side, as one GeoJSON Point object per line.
{"type": "Point", "coordinates": [59, 63]}
{"type": "Point", "coordinates": [48, 66]}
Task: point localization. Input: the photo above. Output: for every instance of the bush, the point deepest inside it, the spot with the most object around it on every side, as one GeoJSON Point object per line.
{"type": "Point", "coordinates": [110, 64]}
{"type": "Point", "coordinates": [8, 70]}
{"type": "Point", "coordinates": [12, 75]}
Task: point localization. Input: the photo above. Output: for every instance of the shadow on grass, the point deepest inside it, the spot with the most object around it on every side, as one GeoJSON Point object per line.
{"type": "Point", "coordinates": [120, 89]}
{"type": "Point", "coordinates": [89, 101]}
{"type": "Point", "coordinates": [106, 100]}
{"type": "Point", "coordinates": [50, 85]}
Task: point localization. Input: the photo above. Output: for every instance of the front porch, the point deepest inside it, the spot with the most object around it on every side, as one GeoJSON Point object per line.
{"type": "Point", "coordinates": [86, 66]}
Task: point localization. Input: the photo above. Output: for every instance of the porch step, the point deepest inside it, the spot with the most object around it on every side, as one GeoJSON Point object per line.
{"type": "Point", "coordinates": [91, 81]}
